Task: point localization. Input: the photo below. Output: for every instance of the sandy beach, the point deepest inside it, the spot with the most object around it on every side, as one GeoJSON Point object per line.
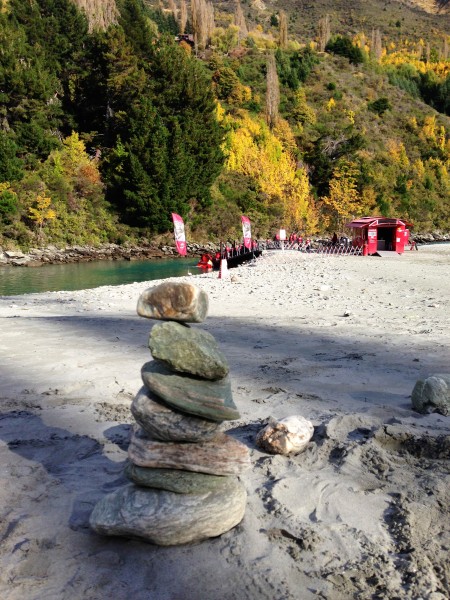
{"type": "Point", "coordinates": [362, 513]}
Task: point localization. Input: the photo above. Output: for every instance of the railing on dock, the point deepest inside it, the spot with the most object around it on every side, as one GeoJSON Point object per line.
{"type": "Point", "coordinates": [327, 248]}
{"type": "Point", "coordinates": [338, 249]}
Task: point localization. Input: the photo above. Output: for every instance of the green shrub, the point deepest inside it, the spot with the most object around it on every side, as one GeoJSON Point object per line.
{"type": "Point", "coordinates": [379, 106]}
{"type": "Point", "coordinates": [343, 46]}
{"type": "Point", "coordinates": [8, 206]}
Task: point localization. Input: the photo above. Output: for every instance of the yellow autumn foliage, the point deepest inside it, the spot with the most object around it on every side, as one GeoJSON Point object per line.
{"type": "Point", "coordinates": [429, 128]}
{"type": "Point", "coordinates": [419, 169]}
{"type": "Point", "coordinates": [413, 57]}
{"type": "Point", "coordinates": [350, 114]}
{"type": "Point", "coordinates": [331, 104]}
{"type": "Point", "coordinates": [397, 153]}
{"type": "Point", "coordinates": [41, 212]}
{"type": "Point", "coordinates": [266, 157]}
{"type": "Point", "coordinates": [344, 200]}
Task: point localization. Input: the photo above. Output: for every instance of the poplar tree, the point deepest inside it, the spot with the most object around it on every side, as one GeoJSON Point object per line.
{"type": "Point", "coordinates": [239, 21]}
{"type": "Point", "coordinates": [100, 13]}
{"type": "Point", "coordinates": [283, 30]}
{"type": "Point", "coordinates": [202, 22]}
{"type": "Point", "coordinates": [173, 9]}
{"type": "Point", "coordinates": [376, 48]}
{"type": "Point", "coordinates": [445, 49]}
{"type": "Point", "coordinates": [323, 32]}
{"type": "Point", "coordinates": [183, 16]}
{"type": "Point", "coordinates": [272, 92]}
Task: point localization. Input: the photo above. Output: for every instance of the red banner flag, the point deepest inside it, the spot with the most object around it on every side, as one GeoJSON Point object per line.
{"type": "Point", "coordinates": [247, 232]}
{"type": "Point", "coordinates": [178, 230]}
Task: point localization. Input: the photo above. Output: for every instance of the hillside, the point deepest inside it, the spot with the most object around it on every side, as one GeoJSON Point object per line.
{"type": "Point", "coordinates": [108, 126]}
{"type": "Point", "coordinates": [395, 18]}
{"type": "Point", "coordinates": [100, 13]}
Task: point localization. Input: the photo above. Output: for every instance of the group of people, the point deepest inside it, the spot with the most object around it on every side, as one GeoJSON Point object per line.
{"type": "Point", "coordinates": [342, 240]}
{"type": "Point", "coordinates": [294, 239]}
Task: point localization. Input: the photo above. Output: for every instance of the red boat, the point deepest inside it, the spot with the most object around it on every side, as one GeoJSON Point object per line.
{"type": "Point", "coordinates": [233, 256]}
{"type": "Point", "coordinates": [206, 262]}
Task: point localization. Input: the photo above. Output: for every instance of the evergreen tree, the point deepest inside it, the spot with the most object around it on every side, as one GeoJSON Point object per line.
{"type": "Point", "coordinates": [30, 107]}
{"type": "Point", "coordinates": [110, 84]}
{"type": "Point", "coordinates": [169, 147]}
{"type": "Point", "coordinates": [134, 23]}
{"type": "Point", "coordinates": [40, 43]}
{"type": "Point", "coordinates": [343, 46]}
{"type": "Point", "coordinates": [11, 167]}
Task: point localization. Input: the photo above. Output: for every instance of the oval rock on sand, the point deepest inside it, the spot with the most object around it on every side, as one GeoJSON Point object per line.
{"type": "Point", "coordinates": [285, 436]}
{"type": "Point", "coordinates": [166, 518]}
{"type": "Point", "coordinates": [174, 301]}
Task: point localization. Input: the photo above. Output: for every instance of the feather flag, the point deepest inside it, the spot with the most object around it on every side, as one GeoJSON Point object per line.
{"type": "Point", "coordinates": [247, 232]}
{"type": "Point", "coordinates": [178, 230]}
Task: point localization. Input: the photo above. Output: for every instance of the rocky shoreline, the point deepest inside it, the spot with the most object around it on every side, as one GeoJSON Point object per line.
{"type": "Point", "coordinates": [37, 257]}
{"type": "Point", "coordinates": [362, 512]}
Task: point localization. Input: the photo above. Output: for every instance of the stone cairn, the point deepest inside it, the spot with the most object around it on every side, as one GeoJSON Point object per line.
{"type": "Point", "coordinates": [182, 468]}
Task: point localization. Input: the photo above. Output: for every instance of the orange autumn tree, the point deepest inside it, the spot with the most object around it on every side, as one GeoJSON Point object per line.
{"type": "Point", "coordinates": [72, 175]}
{"type": "Point", "coordinates": [72, 178]}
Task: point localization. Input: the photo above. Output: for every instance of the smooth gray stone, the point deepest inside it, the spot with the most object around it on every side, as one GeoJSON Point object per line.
{"type": "Point", "coordinates": [187, 350]}
{"type": "Point", "coordinates": [174, 480]}
{"type": "Point", "coordinates": [169, 519]}
{"type": "Point", "coordinates": [432, 394]}
{"type": "Point", "coordinates": [175, 302]}
{"type": "Point", "coordinates": [208, 399]}
{"type": "Point", "coordinates": [223, 455]}
{"type": "Point", "coordinates": [164, 423]}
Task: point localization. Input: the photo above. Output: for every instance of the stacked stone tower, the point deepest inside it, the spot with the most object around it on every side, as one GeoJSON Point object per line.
{"type": "Point", "coordinates": [183, 469]}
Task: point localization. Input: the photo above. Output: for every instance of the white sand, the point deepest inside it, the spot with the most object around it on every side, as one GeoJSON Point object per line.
{"type": "Point", "coordinates": [362, 513]}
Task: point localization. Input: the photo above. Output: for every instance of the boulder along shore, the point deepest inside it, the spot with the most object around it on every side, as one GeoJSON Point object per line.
{"type": "Point", "coordinates": [362, 512]}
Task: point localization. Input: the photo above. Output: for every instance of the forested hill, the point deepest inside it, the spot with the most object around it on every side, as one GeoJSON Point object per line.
{"type": "Point", "coordinates": [116, 113]}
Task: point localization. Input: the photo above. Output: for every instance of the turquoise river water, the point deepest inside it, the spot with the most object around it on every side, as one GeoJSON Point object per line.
{"type": "Point", "coordinates": [80, 276]}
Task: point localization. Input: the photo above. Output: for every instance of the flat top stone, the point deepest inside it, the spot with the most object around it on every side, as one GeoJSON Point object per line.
{"type": "Point", "coordinates": [174, 301]}
{"type": "Point", "coordinates": [175, 480]}
{"type": "Point", "coordinates": [188, 350]}
{"type": "Point", "coordinates": [223, 455]}
{"type": "Point", "coordinates": [208, 399]}
{"type": "Point", "coordinates": [165, 423]}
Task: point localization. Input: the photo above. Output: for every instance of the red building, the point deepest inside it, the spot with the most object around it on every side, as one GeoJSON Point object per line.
{"type": "Point", "coordinates": [377, 235]}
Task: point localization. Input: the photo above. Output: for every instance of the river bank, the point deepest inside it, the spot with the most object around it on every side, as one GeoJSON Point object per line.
{"type": "Point", "coordinates": [341, 340]}
{"type": "Point", "coordinates": [37, 257]}
{"type": "Point", "coordinates": [50, 255]}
